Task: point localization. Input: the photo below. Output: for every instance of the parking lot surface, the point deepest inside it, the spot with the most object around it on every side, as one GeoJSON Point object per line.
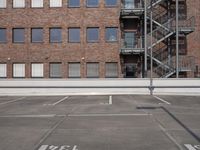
{"type": "Point", "coordinates": [126, 122]}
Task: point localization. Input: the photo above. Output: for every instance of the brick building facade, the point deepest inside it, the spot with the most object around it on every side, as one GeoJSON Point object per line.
{"type": "Point", "coordinates": [64, 58]}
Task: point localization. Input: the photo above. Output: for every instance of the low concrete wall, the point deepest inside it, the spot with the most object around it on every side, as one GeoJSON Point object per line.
{"type": "Point", "coordinates": [98, 86]}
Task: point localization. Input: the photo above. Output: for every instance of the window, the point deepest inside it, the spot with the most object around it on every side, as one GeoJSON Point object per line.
{"type": "Point", "coordinates": [2, 35]}
{"type": "Point", "coordinates": [55, 70]}
{"type": "Point", "coordinates": [37, 70]}
{"type": "Point", "coordinates": [111, 2]}
{"type": "Point", "coordinates": [129, 40]}
{"type": "Point", "coordinates": [18, 3]}
{"type": "Point", "coordinates": [2, 3]}
{"type": "Point", "coordinates": [111, 34]}
{"type": "Point", "coordinates": [92, 70]}
{"type": "Point", "coordinates": [111, 70]}
{"type": "Point", "coordinates": [3, 70]}
{"type": "Point", "coordinates": [129, 4]}
{"type": "Point", "coordinates": [36, 35]}
{"type": "Point", "coordinates": [55, 35]}
{"type": "Point", "coordinates": [74, 3]}
{"type": "Point", "coordinates": [18, 35]}
{"type": "Point", "coordinates": [55, 3]}
{"type": "Point", "coordinates": [74, 70]}
{"type": "Point", "coordinates": [74, 35]}
{"type": "Point", "coordinates": [92, 3]}
{"type": "Point", "coordinates": [36, 3]}
{"type": "Point", "coordinates": [92, 34]}
{"type": "Point", "coordinates": [18, 70]}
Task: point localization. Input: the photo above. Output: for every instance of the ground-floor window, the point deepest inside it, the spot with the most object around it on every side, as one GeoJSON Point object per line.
{"type": "Point", "coordinates": [55, 70]}
{"type": "Point", "coordinates": [92, 69]}
{"type": "Point", "coordinates": [74, 70]}
{"type": "Point", "coordinates": [37, 70]}
{"type": "Point", "coordinates": [3, 70]}
{"type": "Point", "coordinates": [111, 70]}
{"type": "Point", "coordinates": [18, 70]}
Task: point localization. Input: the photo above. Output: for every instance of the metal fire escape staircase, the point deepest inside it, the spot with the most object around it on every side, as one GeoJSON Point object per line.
{"type": "Point", "coordinates": [163, 29]}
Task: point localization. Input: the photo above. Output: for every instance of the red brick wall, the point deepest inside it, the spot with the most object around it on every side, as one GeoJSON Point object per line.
{"type": "Point", "coordinates": [59, 52]}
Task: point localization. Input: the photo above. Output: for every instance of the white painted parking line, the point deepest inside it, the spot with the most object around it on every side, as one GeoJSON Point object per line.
{"type": "Point", "coordinates": [31, 116]}
{"type": "Point", "coordinates": [190, 147]}
{"type": "Point", "coordinates": [43, 147]}
{"type": "Point", "coordinates": [110, 100]}
{"type": "Point", "coordinates": [162, 100]}
{"type": "Point", "coordinates": [59, 101]}
{"type": "Point", "coordinates": [15, 100]}
{"type": "Point", "coordinates": [105, 115]}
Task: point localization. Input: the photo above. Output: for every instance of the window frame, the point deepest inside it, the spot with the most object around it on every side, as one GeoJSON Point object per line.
{"type": "Point", "coordinates": [50, 41]}
{"type": "Point", "coordinates": [98, 64]}
{"type": "Point", "coordinates": [74, 28]}
{"type": "Point", "coordinates": [13, 71]}
{"type": "Point", "coordinates": [106, 5]}
{"type": "Point", "coordinates": [106, 76]}
{"type": "Point", "coordinates": [4, 75]}
{"type": "Point", "coordinates": [5, 6]}
{"type": "Point", "coordinates": [41, 33]}
{"type": "Point", "coordinates": [37, 6]}
{"type": "Point", "coordinates": [18, 7]}
{"type": "Point", "coordinates": [79, 76]}
{"type": "Point", "coordinates": [60, 76]}
{"type": "Point", "coordinates": [74, 6]}
{"type": "Point", "coordinates": [2, 42]}
{"type": "Point", "coordinates": [92, 41]}
{"type": "Point", "coordinates": [110, 41]}
{"type": "Point", "coordinates": [13, 36]}
{"type": "Point", "coordinates": [92, 6]}
{"type": "Point", "coordinates": [55, 6]}
{"type": "Point", "coordinates": [37, 63]}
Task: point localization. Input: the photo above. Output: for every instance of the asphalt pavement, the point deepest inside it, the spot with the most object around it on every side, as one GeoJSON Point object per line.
{"type": "Point", "coordinates": [106, 122]}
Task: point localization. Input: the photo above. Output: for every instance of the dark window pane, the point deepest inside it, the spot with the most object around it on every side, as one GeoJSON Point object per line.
{"type": "Point", "coordinates": [55, 70]}
{"type": "Point", "coordinates": [74, 3]}
{"type": "Point", "coordinates": [92, 3]}
{"type": "Point", "coordinates": [111, 34]}
{"type": "Point", "coordinates": [92, 34]}
{"type": "Point", "coordinates": [111, 2]}
{"type": "Point", "coordinates": [55, 35]}
{"type": "Point", "coordinates": [37, 35]}
{"type": "Point", "coordinates": [129, 41]}
{"type": "Point", "coordinates": [18, 35]}
{"type": "Point", "coordinates": [74, 35]}
{"type": "Point", "coordinates": [2, 35]}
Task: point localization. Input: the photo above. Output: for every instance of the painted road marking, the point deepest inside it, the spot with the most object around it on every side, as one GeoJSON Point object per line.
{"type": "Point", "coordinates": [31, 116]}
{"type": "Point", "coordinates": [162, 100]}
{"type": "Point", "coordinates": [61, 100]}
{"type": "Point", "coordinates": [105, 115]}
{"type": "Point", "coordinates": [15, 100]}
{"type": "Point", "coordinates": [110, 100]}
{"type": "Point", "coordinates": [53, 147]}
{"type": "Point", "coordinates": [192, 147]}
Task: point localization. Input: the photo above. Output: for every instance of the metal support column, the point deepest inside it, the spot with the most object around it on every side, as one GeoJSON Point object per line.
{"type": "Point", "coordinates": [151, 53]}
{"type": "Point", "coordinates": [177, 40]}
{"type": "Point", "coordinates": [145, 38]}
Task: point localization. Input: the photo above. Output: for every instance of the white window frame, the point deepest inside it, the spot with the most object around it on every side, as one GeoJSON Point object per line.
{"type": "Point", "coordinates": [18, 70]}
{"type": "Point", "coordinates": [18, 3]}
{"type": "Point", "coordinates": [3, 3]}
{"type": "Point", "coordinates": [52, 3]}
{"type": "Point", "coordinates": [3, 70]}
{"type": "Point", "coordinates": [37, 3]}
{"type": "Point", "coordinates": [37, 70]}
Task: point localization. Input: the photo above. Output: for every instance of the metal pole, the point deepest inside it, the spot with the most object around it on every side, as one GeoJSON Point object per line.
{"type": "Point", "coordinates": [145, 38]}
{"type": "Point", "coordinates": [151, 30]}
{"type": "Point", "coordinates": [177, 41]}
